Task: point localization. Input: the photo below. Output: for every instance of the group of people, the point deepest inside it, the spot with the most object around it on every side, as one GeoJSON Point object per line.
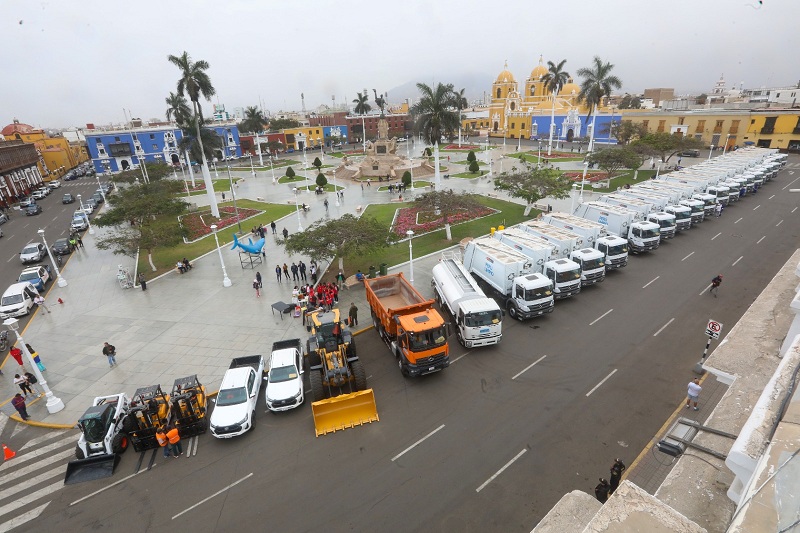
{"type": "Point", "coordinates": [183, 266]}
{"type": "Point", "coordinates": [325, 295]}
{"type": "Point", "coordinates": [604, 489]}
{"type": "Point", "coordinates": [396, 188]}
{"type": "Point", "coordinates": [171, 437]}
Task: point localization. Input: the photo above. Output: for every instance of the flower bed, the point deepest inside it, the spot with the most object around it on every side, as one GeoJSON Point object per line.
{"type": "Point", "coordinates": [462, 147]}
{"type": "Point", "coordinates": [199, 224]}
{"type": "Point", "coordinates": [590, 176]}
{"type": "Point", "coordinates": [424, 221]}
{"type": "Point", "coordinates": [199, 186]}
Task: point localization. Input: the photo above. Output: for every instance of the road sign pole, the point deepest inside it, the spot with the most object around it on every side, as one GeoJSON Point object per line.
{"type": "Point", "coordinates": [698, 368]}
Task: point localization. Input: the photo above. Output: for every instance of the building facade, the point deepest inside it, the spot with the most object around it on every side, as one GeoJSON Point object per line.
{"type": "Point", "coordinates": [400, 125]}
{"type": "Point", "coordinates": [19, 171]}
{"type": "Point", "coordinates": [56, 155]}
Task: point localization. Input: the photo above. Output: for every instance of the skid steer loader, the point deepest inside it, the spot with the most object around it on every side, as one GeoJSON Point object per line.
{"type": "Point", "coordinates": [103, 437]}
{"type": "Point", "coordinates": [339, 393]}
{"type": "Point", "coordinates": [149, 411]}
{"type": "Point", "coordinates": [189, 411]}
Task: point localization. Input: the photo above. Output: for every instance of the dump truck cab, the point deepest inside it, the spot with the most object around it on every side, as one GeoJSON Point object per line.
{"type": "Point", "coordinates": [423, 335]}
{"type": "Point", "coordinates": [189, 406]}
{"type": "Point", "coordinates": [149, 411]}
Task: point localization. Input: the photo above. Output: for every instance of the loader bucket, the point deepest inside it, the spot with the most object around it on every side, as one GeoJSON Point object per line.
{"type": "Point", "coordinates": [97, 467]}
{"type": "Point", "coordinates": [345, 411]}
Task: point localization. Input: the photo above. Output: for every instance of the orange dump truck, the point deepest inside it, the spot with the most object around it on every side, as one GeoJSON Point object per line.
{"type": "Point", "coordinates": [409, 324]}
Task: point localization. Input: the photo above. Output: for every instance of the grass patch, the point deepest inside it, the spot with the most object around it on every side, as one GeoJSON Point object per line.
{"type": "Point", "coordinates": [276, 164]}
{"type": "Point", "coordinates": [165, 258]}
{"type": "Point", "coordinates": [626, 178]}
{"type": "Point", "coordinates": [417, 185]}
{"type": "Point", "coordinates": [287, 179]}
{"type": "Point", "coordinates": [466, 163]}
{"type": "Point", "coordinates": [327, 188]}
{"type": "Point", "coordinates": [534, 158]}
{"type": "Point", "coordinates": [470, 175]}
{"type": "Point", "coordinates": [220, 185]}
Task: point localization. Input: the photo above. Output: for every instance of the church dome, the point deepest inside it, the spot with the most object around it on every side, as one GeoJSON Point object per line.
{"type": "Point", "coordinates": [539, 71]}
{"type": "Point", "coordinates": [505, 76]}
{"type": "Point", "coordinates": [17, 127]}
{"type": "Point", "coordinates": [569, 88]}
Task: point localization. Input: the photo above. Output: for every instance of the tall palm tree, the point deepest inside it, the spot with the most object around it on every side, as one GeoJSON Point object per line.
{"type": "Point", "coordinates": [555, 78]}
{"type": "Point", "coordinates": [178, 109]}
{"type": "Point", "coordinates": [362, 108]}
{"type": "Point", "coordinates": [208, 142]}
{"type": "Point", "coordinates": [598, 82]}
{"type": "Point", "coordinates": [461, 103]}
{"type": "Point", "coordinates": [253, 121]}
{"type": "Point", "coordinates": [435, 115]}
{"type": "Point", "coordinates": [195, 83]}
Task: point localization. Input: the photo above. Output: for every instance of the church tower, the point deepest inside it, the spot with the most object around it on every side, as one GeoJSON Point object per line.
{"type": "Point", "coordinates": [503, 88]}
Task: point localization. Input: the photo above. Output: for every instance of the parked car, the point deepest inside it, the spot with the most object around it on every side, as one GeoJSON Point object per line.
{"type": "Point", "coordinates": [17, 300]}
{"type": "Point", "coordinates": [34, 209]}
{"type": "Point", "coordinates": [37, 276]}
{"type": "Point", "coordinates": [39, 194]}
{"type": "Point", "coordinates": [690, 153]}
{"type": "Point", "coordinates": [33, 253]}
{"type": "Point", "coordinates": [55, 184]}
{"type": "Point", "coordinates": [67, 199]}
{"type": "Point", "coordinates": [79, 223]}
{"type": "Point", "coordinates": [23, 204]}
{"type": "Point", "coordinates": [98, 198]}
{"type": "Point", "coordinates": [91, 202]}
{"type": "Point", "coordinates": [3, 218]}
{"type": "Point", "coordinates": [63, 247]}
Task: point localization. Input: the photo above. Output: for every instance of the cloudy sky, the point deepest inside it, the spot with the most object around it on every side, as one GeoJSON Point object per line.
{"type": "Point", "coordinates": [71, 62]}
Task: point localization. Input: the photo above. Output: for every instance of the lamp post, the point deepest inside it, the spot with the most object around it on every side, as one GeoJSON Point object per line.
{"type": "Point", "coordinates": [252, 169]}
{"type": "Point", "coordinates": [539, 157]}
{"type": "Point", "coordinates": [410, 164]}
{"type": "Point", "coordinates": [710, 151]}
{"type": "Point", "coordinates": [519, 144]}
{"type": "Point", "coordinates": [226, 281]}
{"type": "Point", "coordinates": [583, 179]}
{"type": "Point", "coordinates": [100, 186]}
{"type": "Point", "coordinates": [54, 404]}
{"type": "Point", "coordinates": [60, 280]}
{"type": "Point", "coordinates": [297, 208]}
{"type": "Point", "coordinates": [272, 169]}
{"type": "Point", "coordinates": [410, 234]}
{"type": "Point", "coordinates": [233, 194]}
{"type": "Point", "coordinates": [214, 162]}
{"type": "Point", "coordinates": [260, 155]}
{"type": "Point", "coordinates": [363, 126]}
{"type": "Point", "coordinates": [91, 229]}
{"type": "Point", "coordinates": [305, 170]}
{"type": "Point", "coordinates": [727, 140]}
{"type": "Point", "coordinates": [335, 188]}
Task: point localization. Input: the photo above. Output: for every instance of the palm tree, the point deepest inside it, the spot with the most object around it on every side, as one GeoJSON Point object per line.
{"type": "Point", "coordinates": [195, 83]}
{"type": "Point", "coordinates": [362, 108]}
{"type": "Point", "coordinates": [435, 116]}
{"type": "Point", "coordinates": [555, 78]}
{"type": "Point", "coordinates": [598, 82]}
{"type": "Point", "coordinates": [461, 103]}
{"type": "Point", "coordinates": [178, 109]}
{"type": "Point", "coordinates": [208, 142]}
{"type": "Point", "coordinates": [253, 121]}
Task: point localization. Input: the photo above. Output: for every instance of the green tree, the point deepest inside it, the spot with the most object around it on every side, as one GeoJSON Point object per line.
{"type": "Point", "coordinates": [406, 179]}
{"type": "Point", "coordinates": [702, 99]}
{"type": "Point", "coordinates": [427, 152]}
{"type": "Point", "coordinates": [471, 156]}
{"type": "Point", "coordinates": [253, 121]}
{"type": "Point", "coordinates": [532, 184]}
{"type": "Point", "coordinates": [208, 142]}
{"type": "Point", "coordinates": [435, 116]}
{"type": "Point", "coordinates": [554, 80]}
{"type": "Point", "coordinates": [665, 145]}
{"type": "Point", "coordinates": [448, 204]}
{"type": "Point", "coordinates": [598, 82]}
{"type": "Point", "coordinates": [290, 172]}
{"type": "Point", "coordinates": [277, 124]}
{"type": "Point", "coordinates": [178, 109]}
{"type": "Point", "coordinates": [630, 102]}
{"type": "Point", "coordinates": [474, 167]}
{"type": "Point", "coordinates": [626, 131]}
{"type": "Point", "coordinates": [362, 104]}
{"type": "Point", "coordinates": [275, 146]}
{"type": "Point", "coordinates": [344, 237]}
{"type": "Point", "coordinates": [317, 163]}
{"type": "Point", "coordinates": [195, 83]}
{"type": "Point", "coordinates": [322, 181]}
{"type": "Point", "coordinates": [155, 171]}
{"type": "Point", "coordinates": [144, 217]}
{"type": "Point", "coordinates": [613, 159]}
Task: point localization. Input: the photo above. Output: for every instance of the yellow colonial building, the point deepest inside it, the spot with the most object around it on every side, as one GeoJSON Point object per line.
{"type": "Point", "coordinates": [304, 136]}
{"type": "Point", "coordinates": [56, 154]}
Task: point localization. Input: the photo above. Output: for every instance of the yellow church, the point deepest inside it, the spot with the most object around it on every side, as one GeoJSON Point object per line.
{"type": "Point", "coordinates": [56, 154]}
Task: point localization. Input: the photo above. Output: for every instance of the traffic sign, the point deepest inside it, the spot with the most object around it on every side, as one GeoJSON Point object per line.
{"type": "Point", "coordinates": [713, 329]}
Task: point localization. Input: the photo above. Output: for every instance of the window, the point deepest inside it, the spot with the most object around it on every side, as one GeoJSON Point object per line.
{"type": "Point", "coordinates": [155, 146]}
{"type": "Point", "coordinates": [513, 125]}
{"type": "Point", "coordinates": [152, 136]}
{"type": "Point", "coordinates": [718, 126]}
{"type": "Point", "coordinates": [498, 93]}
{"type": "Point", "coordinates": [513, 106]}
{"type": "Point", "coordinates": [116, 139]}
{"type": "Point", "coordinates": [98, 141]}
{"type": "Point", "coordinates": [735, 126]}
{"type": "Point", "coordinates": [317, 132]}
{"type": "Point", "coordinates": [680, 121]}
{"type": "Point", "coordinates": [701, 125]}
{"type": "Point", "coordinates": [533, 90]}
{"type": "Point", "coordinates": [661, 124]}
{"type": "Point", "coordinates": [645, 123]}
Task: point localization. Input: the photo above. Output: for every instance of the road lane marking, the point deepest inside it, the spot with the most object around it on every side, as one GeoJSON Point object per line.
{"type": "Point", "coordinates": [30, 498]}
{"type": "Point", "coordinates": [34, 454]}
{"type": "Point", "coordinates": [688, 256]}
{"type": "Point", "coordinates": [459, 357]}
{"type": "Point", "coordinates": [30, 481]}
{"type": "Point", "coordinates": [201, 502]}
{"type": "Point", "coordinates": [771, 197]}
{"type": "Point", "coordinates": [651, 281]}
{"type": "Point", "coordinates": [734, 263]}
{"type": "Point", "coordinates": [756, 207]}
{"type": "Point", "coordinates": [46, 461]}
{"type": "Point", "coordinates": [663, 327]}
{"type": "Point", "coordinates": [717, 235]}
{"type": "Point", "coordinates": [787, 186]}
{"type": "Point", "coordinates": [740, 219]}
{"type": "Point", "coordinates": [98, 491]}
{"type": "Point", "coordinates": [596, 320]}
{"type": "Point", "coordinates": [793, 210]}
{"type": "Point", "coordinates": [399, 455]}
{"type": "Point", "coordinates": [528, 367]}
{"type": "Point", "coordinates": [603, 381]}
{"type": "Point", "coordinates": [520, 454]}
{"type": "Point", "coordinates": [779, 223]}
{"type": "Point", "coordinates": [23, 518]}
{"type": "Point", "coordinates": [704, 290]}
{"type": "Point", "coordinates": [761, 239]}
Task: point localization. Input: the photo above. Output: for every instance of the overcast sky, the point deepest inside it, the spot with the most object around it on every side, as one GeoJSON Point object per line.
{"type": "Point", "coordinates": [71, 62]}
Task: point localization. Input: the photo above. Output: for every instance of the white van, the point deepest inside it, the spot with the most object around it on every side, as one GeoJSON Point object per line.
{"type": "Point", "coordinates": [18, 300]}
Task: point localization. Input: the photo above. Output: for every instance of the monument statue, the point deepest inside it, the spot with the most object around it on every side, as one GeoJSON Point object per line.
{"type": "Point", "coordinates": [379, 101]}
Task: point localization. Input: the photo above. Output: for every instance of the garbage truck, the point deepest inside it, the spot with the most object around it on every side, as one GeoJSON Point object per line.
{"type": "Point", "coordinates": [564, 273]}
{"type": "Point", "coordinates": [510, 275]}
{"type": "Point", "coordinates": [591, 261]}
{"type": "Point", "coordinates": [409, 324]}
{"type": "Point", "coordinates": [642, 236]}
{"type": "Point", "coordinates": [613, 248]}
{"type": "Point", "coordinates": [478, 318]}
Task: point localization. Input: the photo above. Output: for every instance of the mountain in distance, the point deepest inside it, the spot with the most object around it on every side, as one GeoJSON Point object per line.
{"type": "Point", "coordinates": [475, 86]}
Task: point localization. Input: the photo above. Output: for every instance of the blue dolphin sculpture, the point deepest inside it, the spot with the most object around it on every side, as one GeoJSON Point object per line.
{"type": "Point", "coordinates": [252, 248]}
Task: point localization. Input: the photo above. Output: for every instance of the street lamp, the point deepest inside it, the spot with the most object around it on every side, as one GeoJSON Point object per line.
{"type": "Point", "coordinates": [539, 157]}
{"type": "Point", "coordinates": [710, 151]}
{"type": "Point", "coordinates": [272, 169]}
{"type": "Point", "coordinates": [102, 192]}
{"type": "Point", "coordinates": [214, 162]}
{"type": "Point", "coordinates": [260, 155]}
{"type": "Point", "coordinates": [252, 169]}
{"type": "Point", "coordinates": [297, 208]}
{"type": "Point", "coordinates": [410, 164]}
{"type": "Point", "coordinates": [91, 229]}
{"type": "Point", "coordinates": [226, 281]}
{"type": "Point", "coordinates": [727, 139]}
{"type": "Point", "coordinates": [61, 281]}
{"type": "Point", "coordinates": [335, 188]}
{"type": "Point", "coordinates": [410, 234]}
{"type": "Point", "coordinates": [233, 194]}
{"type": "Point", "coordinates": [583, 179]}
{"type": "Point", "coordinates": [54, 404]}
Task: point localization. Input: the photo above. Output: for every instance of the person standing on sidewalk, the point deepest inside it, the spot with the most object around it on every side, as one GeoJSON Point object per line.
{"type": "Point", "coordinates": [601, 491]}
{"type": "Point", "coordinates": [174, 441]}
{"type": "Point", "coordinates": [18, 402]}
{"type": "Point", "coordinates": [285, 233]}
{"type": "Point", "coordinates": [23, 384]}
{"type": "Point", "coordinates": [258, 279]}
{"type": "Point", "coordinates": [693, 392]}
{"type": "Point", "coordinates": [302, 267]}
{"type": "Point", "coordinates": [273, 226]}
{"type": "Point", "coordinates": [295, 272]}
{"type": "Point", "coordinates": [111, 352]}
{"type": "Point", "coordinates": [142, 281]}
{"type": "Point", "coordinates": [162, 439]}
{"type": "Point", "coordinates": [278, 272]}
{"type": "Point", "coordinates": [353, 314]}
{"type": "Point", "coordinates": [39, 300]}
{"type": "Point", "coordinates": [256, 286]}
{"type": "Point", "coordinates": [715, 283]}
{"type": "Point", "coordinates": [616, 475]}
{"type": "Point", "coordinates": [286, 271]}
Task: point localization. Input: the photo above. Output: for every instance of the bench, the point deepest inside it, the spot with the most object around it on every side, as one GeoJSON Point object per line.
{"type": "Point", "coordinates": [260, 198]}
{"type": "Point", "coordinates": [358, 209]}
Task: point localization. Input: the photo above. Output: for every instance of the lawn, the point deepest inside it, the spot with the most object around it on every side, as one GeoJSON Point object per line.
{"type": "Point", "coordinates": [417, 185]}
{"type": "Point", "coordinates": [287, 179]}
{"type": "Point", "coordinates": [276, 164]}
{"type": "Point", "coordinates": [165, 258]}
{"type": "Point", "coordinates": [533, 157]}
{"type": "Point", "coordinates": [470, 175]}
{"type": "Point", "coordinates": [466, 163]}
{"type": "Point", "coordinates": [627, 179]}
{"type": "Point", "coordinates": [220, 185]}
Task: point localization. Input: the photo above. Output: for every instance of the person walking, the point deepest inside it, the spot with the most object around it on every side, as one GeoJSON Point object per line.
{"type": "Point", "coordinates": [162, 439]}
{"type": "Point", "coordinates": [18, 402]}
{"type": "Point", "coordinates": [259, 280]}
{"type": "Point", "coordinates": [353, 314]}
{"type": "Point", "coordinates": [601, 491]}
{"type": "Point", "coordinates": [286, 271]}
{"type": "Point", "coordinates": [39, 300]}
{"type": "Point", "coordinates": [257, 287]}
{"type": "Point", "coordinates": [111, 352]}
{"type": "Point", "coordinates": [278, 272]}
{"type": "Point", "coordinates": [174, 441]}
{"type": "Point", "coordinates": [718, 209]}
{"type": "Point", "coordinates": [616, 475]}
{"type": "Point", "coordinates": [24, 384]}
{"type": "Point", "coordinates": [326, 204]}
{"type": "Point", "coordinates": [693, 393]}
{"type": "Point", "coordinates": [142, 281]}
{"type": "Point", "coordinates": [715, 283]}
{"type": "Point", "coordinates": [272, 225]}
{"type": "Point", "coordinates": [313, 269]}
{"type": "Point", "coordinates": [340, 279]}
{"type": "Point", "coordinates": [285, 233]}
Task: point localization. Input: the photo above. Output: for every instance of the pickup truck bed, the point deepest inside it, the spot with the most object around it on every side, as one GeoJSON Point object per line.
{"type": "Point", "coordinates": [248, 360]}
{"type": "Point", "coordinates": [282, 345]}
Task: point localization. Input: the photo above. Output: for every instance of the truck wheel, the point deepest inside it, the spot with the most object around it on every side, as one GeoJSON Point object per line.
{"type": "Point", "coordinates": [351, 348]}
{"type": "Point", "coordinates": [129, 424]}
{"type": "Point", "coordinates": [512, 311]}
{"type": "Point", "coordinates": [79, 452]}
{"type": "Point", "coordinates": [360, 375]}
{"type": "Point", "coordinates": [314, 358]}
{"type": "Point", "coordinates": [253, 420]}
{"type": "Point", "coordinates": [460, 339]}
{"type": "Point", "coordinates": [119, 444]}
{"type": "Point", "coordinates": [317, 390]}
{"type": "Point", "coordinates": [401, 367]}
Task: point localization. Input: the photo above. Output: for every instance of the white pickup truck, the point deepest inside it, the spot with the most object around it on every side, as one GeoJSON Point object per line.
{"type": "Point", "coordinates": [235, 406]}
{"type": "Point", "coordinates": [285, 379]}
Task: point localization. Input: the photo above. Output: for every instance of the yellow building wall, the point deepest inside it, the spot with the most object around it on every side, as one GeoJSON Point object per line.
{"type": "Point", "coordinates": [58, 154]}
{"type": "Point", "coordinates": [313, 134]}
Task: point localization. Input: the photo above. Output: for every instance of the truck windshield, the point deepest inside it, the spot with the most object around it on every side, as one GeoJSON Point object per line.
{"type": "Point", "coordinates": [568, 275]}
{"type": "Point", "coordinates": [538, 293]}
{"type": "Point", "coordinates": [651, 233]}
{"type": "Point", "coordinates": [282, 373]}
{"type": "Point", "coordinates": [482, 318]}
{"type": "Point", "coordinates": [663, 223]}
{"type": "Point", "coordinates": [618, 249]}
{"type": "Point", "coordinates": [426, 340]}
{"type": "Point", "coordinates": [682, 215]}
{"type": "Point", "coordinates": [591, 264]}
{"type": "Point", "coordinates": [231, 396]}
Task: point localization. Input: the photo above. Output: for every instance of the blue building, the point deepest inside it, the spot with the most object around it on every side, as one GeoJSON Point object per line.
{"type": "Point", "coordinates": [118, 150]}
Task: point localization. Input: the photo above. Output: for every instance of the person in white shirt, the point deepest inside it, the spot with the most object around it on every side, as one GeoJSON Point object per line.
{"type": "Point", "coordinates": [39, 300]}
{"type": "Point", "coordinates": [693, 393]}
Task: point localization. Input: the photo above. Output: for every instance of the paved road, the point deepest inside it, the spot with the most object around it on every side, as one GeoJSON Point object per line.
{"type": "Point", "coordinates": [505, 439]}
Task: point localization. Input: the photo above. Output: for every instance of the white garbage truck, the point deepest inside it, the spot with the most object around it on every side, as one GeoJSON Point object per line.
{"type": "Point", "coordinates": [478, 318]}
{"type": "Point", "coordinates": [571, 245]}
{"type": "Point", "coordinates": [642, 236]}
{"type": "Point", "coordinates": [564, 273]}
{"type": "Point", "coordinates": [613, 248]}
{"type": "Point", "coordinates": [510, 274]}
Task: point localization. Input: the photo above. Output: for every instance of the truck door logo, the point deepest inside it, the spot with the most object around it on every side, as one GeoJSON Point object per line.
{"type": "Point", "coordinates": [603, 220]}
{"type": "Point", "coordinates": [489, 270]}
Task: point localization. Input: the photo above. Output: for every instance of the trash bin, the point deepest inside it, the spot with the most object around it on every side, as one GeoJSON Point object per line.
{"type": "Point", "coordinates": [384, 269]}
{"type": "Point", "coordinates": [371, 272]}
{"type": "Point", "coordinates": [500, 227]}
{"type": "Point", "coordinates": [492, 230]}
